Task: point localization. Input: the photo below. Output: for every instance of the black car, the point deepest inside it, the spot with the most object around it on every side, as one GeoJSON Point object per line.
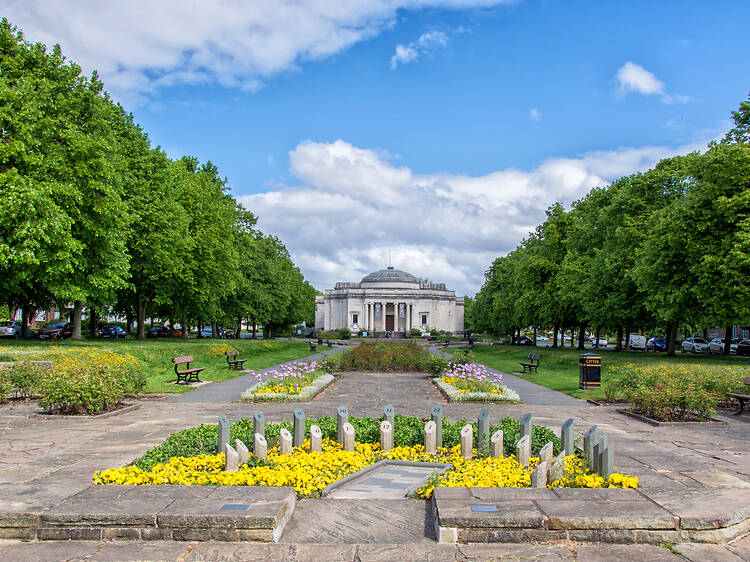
{"type": "Point", "coordinates": [525, 340]}
{"type": "Point", "coordinates": [112, 332]}
{"type": "Point", "coordinates": [743, 348]}
{"type": "Point", "coordinates": [56, 331]}
{"type": "Point", "coordinates": [157, 332]}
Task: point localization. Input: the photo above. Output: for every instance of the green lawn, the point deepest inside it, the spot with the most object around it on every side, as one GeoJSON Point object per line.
{"type": "Point", "coordinates": [156, 355]}
{"type": "Point", "coordinates": [558, 368]}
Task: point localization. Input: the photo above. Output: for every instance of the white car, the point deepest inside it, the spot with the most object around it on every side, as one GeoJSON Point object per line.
{"type": "Point", "coordinates": [638, 341]}
{"type": "Point", "coordinates": [602, 342]}
{"type": "Point", "coordinates": [695, 345]}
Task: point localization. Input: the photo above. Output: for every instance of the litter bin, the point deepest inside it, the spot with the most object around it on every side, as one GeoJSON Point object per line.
{"type": "Point", "coordinates": [589, 371]}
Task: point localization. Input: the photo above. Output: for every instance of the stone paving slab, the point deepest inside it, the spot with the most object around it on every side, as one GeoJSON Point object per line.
{"type": "Point", "coordinates": [388, 481]}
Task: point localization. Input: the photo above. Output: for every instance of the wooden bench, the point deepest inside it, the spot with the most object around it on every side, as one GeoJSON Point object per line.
{"type": "Point", "coordinates": [187, 374]}
{"type": "Point", "coordinates": [329, 343]}
{"type": "Point", "coordinates": [234, 363]}
{"type": "Point", "coordinates": [533, 364]}
{"type": "Point", "coordinates": [741, 398]}
{"type": "Point", "coordinates": [313, 347]}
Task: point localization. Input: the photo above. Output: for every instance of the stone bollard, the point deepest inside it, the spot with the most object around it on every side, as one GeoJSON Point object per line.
{"type": "Point", "coordinates": [259, 425]}
{"type": "Point", "coordinates": [299, 427]}
{"type": "Point", "coordinates": [285, 441]}
{"type": "Point", "coordinates": [348, 437]}
{"type": "Point", "coordinates": [607, 461]}
{"type": "Point", "coordinates": [467, 441]}
{"type": "Point", "coordinates": [483, 432]}
{"type": "Point", "coordinates": [242, 451]}
{"type": "Point", "coordinates": [539, 476]}
{"type": "Point", "coordinates": [436, 415]}
{"type": "Point", "coordinates": [557, 468]}
{"type": "Point", "coordinates": [316, 439]}
{"type": "Point", "coordinates": [389, 414]}
{"type": "Point", "coordinates": [525, 426]}
{"type": "Point", "coordinates": [386, 435]}
{"type": "Point", "coordinates": [232, 459]}
{"type": "Point", "coordinates": [497, 448]}
{"type": "Point", "coordinates": [523, 450]}
{"type": "Point", "coordinates": [430, 438]}
{"type": "Point", "coordinates": [223, 434]}
{"type": "Point", "coordinates": [546, 453]}
{"type": "Point", "coordinates": [599, 447]}
{"type": "Point", "coordinates": [566, 436]}
{"type": "Point", "coordinates": [260, 447]}
{"type": "Point", "coordinates": [342, 417]}
{"type": "Point", "coordinates": [588, 444]}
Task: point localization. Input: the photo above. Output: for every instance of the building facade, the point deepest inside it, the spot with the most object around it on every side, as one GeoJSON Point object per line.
{"type": "Point", "coordinates": [390, 300]}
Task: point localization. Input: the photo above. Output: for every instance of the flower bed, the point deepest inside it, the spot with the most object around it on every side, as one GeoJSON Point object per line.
{"type": "Point", "coordinates": [296, 381]}
{"type": "Point", "coordinates": [472, 382]}
{"type": "Point", "coordinates": [310, 472]}
{"type": "Point", "coordinates": [387, 357]}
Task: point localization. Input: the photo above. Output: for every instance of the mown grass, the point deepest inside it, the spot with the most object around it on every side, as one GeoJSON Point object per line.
{"type": "Point", "coordinates": [156, 356]}
{"type": "Point", "coordinates": [558, 368]}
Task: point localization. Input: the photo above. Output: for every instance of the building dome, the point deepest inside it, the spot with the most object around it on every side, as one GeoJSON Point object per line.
{"type": "Point", "coordinates": [389, 274]}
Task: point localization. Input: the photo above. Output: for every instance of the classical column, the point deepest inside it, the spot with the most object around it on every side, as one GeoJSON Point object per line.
{"type": "Point", "coordinates": [382, 314]}
{"type": "Point", "coordinates": [408, 318]}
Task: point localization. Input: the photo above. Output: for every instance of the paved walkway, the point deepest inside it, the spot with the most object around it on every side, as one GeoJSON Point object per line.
{"type": "Point", "coordinates": [44, 460]}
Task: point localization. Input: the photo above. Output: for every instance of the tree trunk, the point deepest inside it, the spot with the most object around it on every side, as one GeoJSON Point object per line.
{"type": "Point", "coordinates": [141, 316]}
{"type": "Point", "coordinates": [24, 321]}
{"type": "Point", "coordinates": [671, 338]}
{"type": "Point", "coordinates": [598, 333]}
{"type": "Point", "coordinates": [77, 313]}
{"type": "Point", "coordinates": [627, 338]}
{"type": "Point", "coordinates": [554, 335]}
{"type": "Point", "coordinates": [581, 334]}
{"type": "Point", "coordinates": [534, 336]}
{"type": "Point", "coordinates": [239, 327]}
{"type": "Point", "coordinates": [129, 321]}
{"type": "Point", "coordinates": [727, 340]}
{"type": "Point", "coordinates": [93, 321]}
{"type": "Point", "coordinates": [618, 345]}
{"type": "Point", "coordinates": [185, 331]}
{"type": "Point", "coordinates": [255, 329]}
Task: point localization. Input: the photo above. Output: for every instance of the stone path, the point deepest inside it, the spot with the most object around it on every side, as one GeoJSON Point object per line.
{"type": "Point", "coordinates": [391, 481]}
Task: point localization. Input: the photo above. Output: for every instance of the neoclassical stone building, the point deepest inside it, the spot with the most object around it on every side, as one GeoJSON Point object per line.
{"type": "Point", "coordinates": [390, 300]}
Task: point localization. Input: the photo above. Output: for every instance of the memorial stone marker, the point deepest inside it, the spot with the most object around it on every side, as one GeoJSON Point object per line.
{"type": "Point", "coordinates": [348, 437]}
{"type": "Point", "coordinates": [285, 441]}
{"type": "Point", "coordinates": [342, 416]}
{"type": "Point", "coordinates": [523, 450]}
{"type": "Point", "coordinates": [525, 426]}
{"type": "Point", "coordinates": [497, 448]}
{"type": "Point", "coordinates": [588, 444]}
{"type": "Point", "coordinates": [599, 447]}
{"type": "Point", "coordinates": [316, 439]}
{"type": "Point", "coordinates": [566, 436]}
{"type": "Point", "coordinates": [467, 441]}
{"type": "Point", "coordinates": [557, 469]}
{"type": "Point", "coordinates": [299, 427]}
{"type": "Point", "coordinates": [546, 453]}
{"type": "Point", "coordinates": [242, 451]}
{"type": "Point", "coordinates": [386, 435]}
{"type": "Point", "coordinates": [389, 415]}
{"type": "Point", "coordinates": [607, 461]}
{"type": "Point", "coordinates": [436, 415]}
{"type": "Point", "coordinates": [539, 476]}
{"type": "Point", "coordinates": [260, 447]}
{"type": "Point", "coordinates": [231, 459]}
{"type": "Point", "coordinates": [259, 424]}
{"type": "Point", "coordinates": [483, 431]}
{"type": "Point", "coordinates": [430, 438]}
{"type": "Point", "coordinates": [223, 434]}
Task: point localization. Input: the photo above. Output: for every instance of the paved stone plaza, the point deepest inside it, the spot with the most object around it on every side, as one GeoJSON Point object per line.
{"type": "Point", "coordinates": [698, 473]}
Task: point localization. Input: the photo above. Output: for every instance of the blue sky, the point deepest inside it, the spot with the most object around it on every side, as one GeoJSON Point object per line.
{"type": "Point", "coordinates": [440, 130]}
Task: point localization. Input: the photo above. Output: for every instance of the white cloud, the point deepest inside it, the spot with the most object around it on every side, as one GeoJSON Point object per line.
{"type": "Point", "coordinates": [140, 46]}
{"type": "Point", "coordinates": [353, 205]}
{"type": "Point", "coordinates": [535, 115]}
{"type": "Point", "coordinates": [632, 77]}
{"type": "Point", "coordinates": [424, 45]}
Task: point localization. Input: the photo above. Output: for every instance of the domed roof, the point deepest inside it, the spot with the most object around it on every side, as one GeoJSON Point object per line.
{"type": "Point", "coordinates": [389, 274]}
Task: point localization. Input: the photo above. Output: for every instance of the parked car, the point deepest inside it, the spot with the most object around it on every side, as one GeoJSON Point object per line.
{"type": "Point", "coordinates": [743, 347]}
{"type": "Point", "coordinates": [11, 329]}
{"type": "Point", "coordinates": [603, 342]}
{"type": "Point", "coordinates": [112, 331]}
{"type": "Point", "coordinates": [157, 332]}
{"type": "Point", "coordinates": [525, 340]}
{"type": "Point", "coordinates": [230, 333]}
{"type": "Point", "coordinates": [694, 345]}
{"type": "Point", "coordinates": [716, 346]}
{"type": "Point", "coordinates": [637, 341]}
{"type": "Point", "coordinates": [209, 333]}
{"type": "Point", "coordinates": [656, 344]}
{"type": "Point", "coordinates": [56, 331]}
{"type": "Point", "coordinates": [733, 345]}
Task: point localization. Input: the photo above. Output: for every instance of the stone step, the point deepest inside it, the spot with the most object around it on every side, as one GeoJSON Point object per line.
{"type": "Point", "coordinates": [193, 513]}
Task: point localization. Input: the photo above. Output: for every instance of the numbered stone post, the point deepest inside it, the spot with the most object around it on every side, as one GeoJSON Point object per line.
{"type": "Point", "coordinates": [436, 415]}
{"type": "Point", "coordinates": [546, 454]}
{"type": "Point", "coordinates": [557, 469]}
{"type": "Point", "coordinates": [223, 434]}
{"type": "Point", "coordinates": [483, 431]}
{"type": "Point", "coordinates": [316, 439]}
{"type": "Point", "coordinates": [299, 427]}
{"type": "Point", "coordinates": [539, 476]}
{"type": "Point", "coordinates": [523, 450]}
{"type": "Point", "coordinates": [467, 441]}
{"type": "Point", "coordinates": [342, 417]}
{"type": "Point", "coordinates": [260, 447]}
{"type": "Point", "coordinates": [348, 437]}
{"type": "Point", "coordinates": [232, 459]}
{"type": "Point", "coordinates": [497, 448]}
{"type": "Point", "coordinates": [389, 414]}
{"type": "Point", "coordinates": [588, 444]}
{"type": "Point", "coordinates": [599, 447]}
{"type": "Point", "coordinates": [285, 441]}
{"type": "Point", "coordinates": [242, 451]}
{"type": "Point", "coordinates": [525, 429]}
{"type": "Point", "coordinates": [386, 435]}
{"type": "Point", "coordinates": [607, 461]}
{"type": "Point", "coordinates": [430, 438]}
{"type": "Point", "coordinates": [259, 425]}
{"type": "Point", "coordinates": [566, 436]}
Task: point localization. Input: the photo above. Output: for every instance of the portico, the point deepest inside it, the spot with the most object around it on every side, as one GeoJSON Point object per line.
{"type": "Point", "coordinates": [390, 300]}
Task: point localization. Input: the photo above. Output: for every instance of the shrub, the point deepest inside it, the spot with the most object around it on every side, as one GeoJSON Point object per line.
{"type": "Point", "coordinates": [24, 379]}
{"type": "Point", "coordinates": [5, 385]}
{"type": "Point", "coordinates": [415, 333]}
{"type": "Point", "coordinates": [384, 357]}
{"type": "Point", "coordinates": [92, 382]}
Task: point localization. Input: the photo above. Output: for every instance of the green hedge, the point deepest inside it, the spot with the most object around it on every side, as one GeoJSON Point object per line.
{"type": "Point", "coordinates": [408, 431]}
{"type": "Point", "coordinates": [387, 357]}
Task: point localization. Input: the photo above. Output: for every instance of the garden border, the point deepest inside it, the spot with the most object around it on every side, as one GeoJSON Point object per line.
{"type": "Point", "coordinates": [308, 392]}
{"type": "Point", "coordinates": [452, 395]}
{"type": "Point", "coordinates": [657, 423]}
